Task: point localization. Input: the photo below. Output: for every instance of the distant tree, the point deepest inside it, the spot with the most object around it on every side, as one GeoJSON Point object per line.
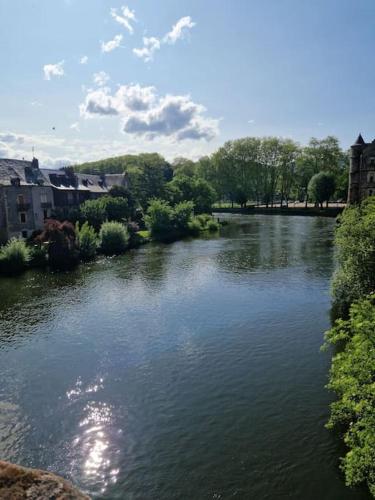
{"type": "Point", "coordinates": [184, 166]}
{"type": "Point", "coordinates": [94, 212]}
{"type": "Point", "coordinates": [321, 187]}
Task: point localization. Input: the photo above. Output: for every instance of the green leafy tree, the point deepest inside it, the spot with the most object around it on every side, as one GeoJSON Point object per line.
{"type": "Point", "coordinates": [94, 212]}
{"type": "Point", "coordinates": [321, 187]}
{"type": "Point", "coordinates": [195, 189]}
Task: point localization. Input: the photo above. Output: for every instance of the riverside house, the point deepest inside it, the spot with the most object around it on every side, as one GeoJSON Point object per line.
{"type": "Point", "coordinates": [29, 194]}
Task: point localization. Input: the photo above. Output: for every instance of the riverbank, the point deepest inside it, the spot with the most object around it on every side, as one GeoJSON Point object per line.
{"type": "Point", "coordinates": [300, 211]}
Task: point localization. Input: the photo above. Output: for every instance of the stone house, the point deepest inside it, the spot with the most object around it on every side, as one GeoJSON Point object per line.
{"type": "Point", "coordinates": [29, 194]}
{"type": "Point", "coordinates": [362, 171]}
{"type": "Point", "coordinates": [26, 199]}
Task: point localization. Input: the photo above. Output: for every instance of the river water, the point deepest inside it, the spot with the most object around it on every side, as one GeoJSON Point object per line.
{"type": "Point", "coordinates": [182, 371]}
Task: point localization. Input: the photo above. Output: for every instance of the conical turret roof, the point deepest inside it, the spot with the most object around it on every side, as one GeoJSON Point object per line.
{"type": "Point", "coordinates": [359, 141]}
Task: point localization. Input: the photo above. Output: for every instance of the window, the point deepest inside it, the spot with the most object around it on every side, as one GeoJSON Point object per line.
{"type": "Point", "coordinates": [45, 213]}
{"type": "Point", "coordinates": [20, 199]}
{"type": "Point", "coordinates": [70, 197]}
{"type": "Point", "coordinates": [24, 234]}
{"type": "Point", "coordinates": [23, 217]}
{"type": "Point", "coordinates": [43, 198]}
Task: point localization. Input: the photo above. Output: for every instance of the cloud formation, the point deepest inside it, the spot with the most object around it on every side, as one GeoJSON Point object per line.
{"type": "Point", "coordinates": [125, 18]}
{"type": "Point", "coordinates": [151, 44]}
{"type": "Point", "coordinates": [146, 114]}
{"type": "Point", "coordinates": [111, 44]}
{"type": "Point", "coordinates": [179, 30]}
{"type": "Point", "coordinates": [84, 60]}
{"type": "Point", "coordinates": [101, 78]}
{"type": "Point", "coordinates": [51, 70]}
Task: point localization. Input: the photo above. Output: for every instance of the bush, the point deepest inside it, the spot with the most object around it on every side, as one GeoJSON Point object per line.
{"type": "Point", "coordinates": [113, 237]}
{"type": "Point", "coordinates": [87, 241]}
{"type": "Point", "coordinates": [159, 219]}
{"type": "Point", "coordinates": [182, 214]}
{"type": "Point", "coordinates": [352, 377]}
{"type": "Point", "coordinates": [195, 227]}
{"type": "Point", "coordinates": [94, 213]}
{"type": "Point", "coordinates": [355, 242]}
{"type": "Point", "coordinates": [14, 256]}
{"type": "Point", "coordinates": [213, 225]}
{"type": "Point", "coordinates": [60, 239]}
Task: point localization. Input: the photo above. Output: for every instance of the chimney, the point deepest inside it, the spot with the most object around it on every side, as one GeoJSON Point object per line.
{"type": "Point", "coordinates": [34, 163]}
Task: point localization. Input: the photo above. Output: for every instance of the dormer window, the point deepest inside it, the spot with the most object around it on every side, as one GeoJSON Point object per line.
{"type": "Point", "coordinates": [15, 181]}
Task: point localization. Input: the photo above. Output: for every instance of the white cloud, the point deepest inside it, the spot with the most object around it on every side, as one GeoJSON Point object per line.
{"type": "Point", "coordinates": [101, 78]}
{"type": "Point", "coordinates": [98, 103]}
{"type": "Point", "coordinates": [150, 45]}
{"type": "Point", "coordinates": [251, 122]}
{"type": "Point", "coordinates": [36, 104]}
{"type": "Point", "coordinates": [125, 18]}
{"type": "Point", "coordinates": [10, 137]}
{"type": "Point", "coordinates": [179, 30]}
{"type": "Point", "coordinates": [84, 60]}
{"type": "Point", "coordinates": [145, 114]}
{"type": "Point", "coordinates": [111, 44]}
{"type": "Point", "coordinates": [75, 126]}
{"type": "Point", "coordinates": [53, 70]}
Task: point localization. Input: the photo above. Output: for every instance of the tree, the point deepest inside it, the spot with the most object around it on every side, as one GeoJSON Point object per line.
{"type": "Point", "coordinates": [321, 187]}
{"type": "Point", "coordinates": [195, 189]}
{"type": "Point", "coordinates": [183, 166]}
{"type": "Point", "coordinates": [60, 238]}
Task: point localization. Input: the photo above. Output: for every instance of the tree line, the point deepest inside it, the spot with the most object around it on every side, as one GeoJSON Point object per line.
{"type": "Point", "coordinates": [269, 171]}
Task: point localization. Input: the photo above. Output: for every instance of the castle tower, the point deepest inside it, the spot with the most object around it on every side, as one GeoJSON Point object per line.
{"type": "Point", "coordinates": [354, 170]}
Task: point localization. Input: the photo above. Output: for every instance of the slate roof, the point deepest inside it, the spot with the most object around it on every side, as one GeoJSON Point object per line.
{"type": "Point", "coordinates": [20, 169]}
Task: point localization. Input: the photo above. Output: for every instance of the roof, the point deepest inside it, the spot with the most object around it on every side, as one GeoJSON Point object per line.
{"type": "Point", "coordinates": [360, 141]}
{"type": "Point", "coordinates": [27, 172]}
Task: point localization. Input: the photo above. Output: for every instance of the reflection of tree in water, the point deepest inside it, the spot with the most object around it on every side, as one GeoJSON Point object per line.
{"type": "Point", "coordinates": [277, 242]}
{"type": "Point", "coordinates": [148, 263]}
{"type": "Point", "coordinates": [30, 299]}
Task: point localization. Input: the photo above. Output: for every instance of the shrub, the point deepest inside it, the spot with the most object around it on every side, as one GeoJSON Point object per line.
{"type": "Point", "coordinates": [60, 239]}
{"type": "Point", "coordinates": [159, 219]}
{"type": "Point", "coordinates": [87, 241]}
{"type": "Point", "coordinates": [182, 214]}
{"type": "Point", "coordinates": [14, 256]}
{"type": "Point", "coordinates": [195, 227]}
{"type": "Point", "coordinates": [213, 225]}
{"type": "Point", "coordinates": [355, 242]}
{"type": "Point", "coordinates": [352, 377]}
{"type": "Point", "coordinates": [94, 213]}
{"type": "Point", "coordinates": [113, 238]}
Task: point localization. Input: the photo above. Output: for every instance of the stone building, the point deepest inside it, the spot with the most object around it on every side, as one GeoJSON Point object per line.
{"type": "Point", "coordinates": [26, 199]}
{"type": "Point", "coordinates": [362, 171]}
{"type": "Point", "coordinates": [29, 194]}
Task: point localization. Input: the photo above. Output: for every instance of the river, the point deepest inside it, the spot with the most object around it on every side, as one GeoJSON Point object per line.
{"type": "Point", "coordinates": [182, 371]}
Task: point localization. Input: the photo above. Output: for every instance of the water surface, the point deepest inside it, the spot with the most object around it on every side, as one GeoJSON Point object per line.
{"type": "Point", "coordinates": [182, 371]}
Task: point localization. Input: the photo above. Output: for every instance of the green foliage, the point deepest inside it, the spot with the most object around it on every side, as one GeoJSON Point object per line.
{"type": "Point", "coordinates": [321, 187]}
{"type": "Point", "coordinates": [355, 242]}
{"type": "Point", "coordinates": [110, 208]}
{"type": "Point", "coordinates": [168, 223]}
{"type": "Point", "coordinates": [352, 378]}
{"type": "Point", "coordinates": [213, 225]}
{"type": "Point", "coordinates": [87, 241]}
{"type": "Point", "coordinates": [113, 238]}
{"type": "Point", "coordinates": [14, 256]}
{"type": "Point", "coordinates": [159, 219]}
{"type": "Point", "coordinates": [93, 212]}
{"type": "Point", "coordinates": [194, 189]}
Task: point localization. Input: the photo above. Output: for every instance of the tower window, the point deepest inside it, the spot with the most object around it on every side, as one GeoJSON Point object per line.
{"type": "Point", "coordinates": [23, 217]}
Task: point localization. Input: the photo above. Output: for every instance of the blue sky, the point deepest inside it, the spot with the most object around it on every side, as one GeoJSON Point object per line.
{"type": "Point", "coordinates": [86, 79]}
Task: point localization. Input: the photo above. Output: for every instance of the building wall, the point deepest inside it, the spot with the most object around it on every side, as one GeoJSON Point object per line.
{"type": "Point", "coordinates": [33, 210]}
{"type": "Point", "coordinates": [3, 220]}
